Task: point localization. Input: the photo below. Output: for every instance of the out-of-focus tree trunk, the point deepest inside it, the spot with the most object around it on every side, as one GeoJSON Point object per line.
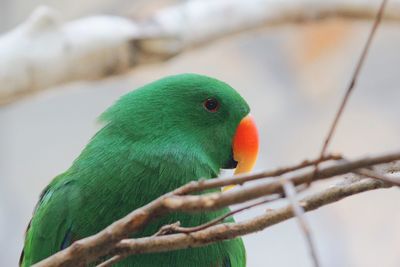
{"type": "Point", "coordinates": [45, 51]}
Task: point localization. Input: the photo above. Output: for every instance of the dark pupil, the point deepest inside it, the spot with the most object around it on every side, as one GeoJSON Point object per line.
{"type": "Point", "coordinates": [211, 104]}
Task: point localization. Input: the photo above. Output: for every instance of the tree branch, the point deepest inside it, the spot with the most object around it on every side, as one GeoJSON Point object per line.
{"type": "Point", "coordinates": [45, 51]}
{"type": "Point", "coordinates": [298, 211]}
{"type": "Point", "coordinates": [353, 81]}
{"type": "Point", "coordinates": [215, 201]}
{"type": "Point", "coordinates": [176, 228]}
{"type": "Point", "coordinates": [90, 249]}
{"type": "Point", "coordinates": [231, 230]}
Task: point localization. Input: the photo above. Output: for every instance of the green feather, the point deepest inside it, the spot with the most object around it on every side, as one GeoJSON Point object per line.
{"type": "Point", "coordinates": [154, 140]}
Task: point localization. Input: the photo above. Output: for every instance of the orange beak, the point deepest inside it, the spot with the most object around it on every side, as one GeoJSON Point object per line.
{"type": "Point", "coordinates": [245, 146]}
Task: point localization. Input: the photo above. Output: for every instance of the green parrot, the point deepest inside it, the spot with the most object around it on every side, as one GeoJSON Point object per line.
{"type": "Point", "coordinates": [154, 139]}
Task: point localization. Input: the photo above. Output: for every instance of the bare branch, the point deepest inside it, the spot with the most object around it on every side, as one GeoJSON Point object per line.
{"type": "Point", "coordinates": [197, 186]}
{"type": "Point", "coordinates": [290, 193]}
{"type": "Point", "coordinates": [375, 175]}
{"type": "Point", "coordinates": [351, 85]}
{"type": "Point", "coordinates": [232, 230]}
{"type": "Point", "coordinates": [214, 201]}
{"type": "Point", "coordinates": [111, 261]}
{"type": "Point", "coordinates": [90, 249]}
{"type": "Point", "coordinates": [354, 79]}
{"type": "Point", "coordinates": [176, 228]}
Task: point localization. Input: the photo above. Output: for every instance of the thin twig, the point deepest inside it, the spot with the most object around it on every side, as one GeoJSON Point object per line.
{"type": "Point", "coordinates": [174, 228]}
{"type": "Point", "coordinates": [353, 81]}
{"type": "Point", "coordinates": [339, 113]}
{"type": "Point", "coordinates": [111, 261]}
{"type": "Point", "coordinates": [290, 193]}
{"type": "Point", "coordinates": [375, 175]}
{"type": "Point", "coordinates": [354, 78]}
{"type": "Point", "coordinates": [167, 229]}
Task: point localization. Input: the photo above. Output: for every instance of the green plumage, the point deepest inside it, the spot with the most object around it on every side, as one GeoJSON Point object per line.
{"type": "Point", "coordinates": [154, 140]}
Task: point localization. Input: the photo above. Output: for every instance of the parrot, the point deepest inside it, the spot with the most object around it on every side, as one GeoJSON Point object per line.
{"type": "Point", "coordinates": [154, 139]}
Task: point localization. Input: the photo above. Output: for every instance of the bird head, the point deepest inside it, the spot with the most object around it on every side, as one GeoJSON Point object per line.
{"type": "Point", "coordinates": [186, 117]}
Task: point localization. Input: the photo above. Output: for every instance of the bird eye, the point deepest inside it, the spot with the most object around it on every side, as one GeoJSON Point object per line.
{"type": "Point", "coordinates": [211, 105]}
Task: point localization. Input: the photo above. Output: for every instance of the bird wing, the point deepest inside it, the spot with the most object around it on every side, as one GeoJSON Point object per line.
{"type": "Point", "coordinates": [50, 229]}
{"type": "Point", "coordinates": [226, 262]}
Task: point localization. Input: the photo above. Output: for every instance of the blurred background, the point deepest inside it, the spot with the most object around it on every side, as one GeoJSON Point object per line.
{"type": "Point", "coordinates": [292, 74]}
